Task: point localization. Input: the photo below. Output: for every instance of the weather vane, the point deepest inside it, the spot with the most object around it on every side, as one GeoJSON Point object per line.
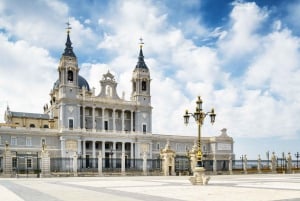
{"type": "Point", "coordinates": [68, 27]}
{"type": "Point", "coordinates": [141, 42]}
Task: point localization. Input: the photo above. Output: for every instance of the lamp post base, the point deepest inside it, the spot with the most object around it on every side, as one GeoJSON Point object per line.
{"type": "Point", "coordinates": [199, 177]}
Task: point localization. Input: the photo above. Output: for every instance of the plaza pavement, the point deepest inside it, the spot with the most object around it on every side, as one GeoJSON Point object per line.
{"type": "Point", "coordinates": [275, 187]}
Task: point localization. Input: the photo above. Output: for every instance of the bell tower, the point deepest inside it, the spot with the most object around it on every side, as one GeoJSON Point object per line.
{"type": "Point", "coordinates": [68, 89]}
{"type": "Point", "coordinates": [141, 81]}
{"type": "Point", "coordinates": [141, 94]}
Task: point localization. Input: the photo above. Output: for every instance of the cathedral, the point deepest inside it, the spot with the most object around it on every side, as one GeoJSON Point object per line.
{"type": "Point", "coordinates": [78, 121]}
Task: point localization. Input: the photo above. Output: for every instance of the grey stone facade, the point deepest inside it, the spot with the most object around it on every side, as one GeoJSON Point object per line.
{"type": "Point", "coordinates": [85, 124]}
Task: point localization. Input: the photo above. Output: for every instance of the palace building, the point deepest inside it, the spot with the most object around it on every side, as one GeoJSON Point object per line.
{"type": "Point", "coordinates": [78, 121]}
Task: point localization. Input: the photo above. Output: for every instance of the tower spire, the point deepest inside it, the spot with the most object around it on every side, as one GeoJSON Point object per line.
{"type": "Point", "coordinates": [68, 49]}
{"type": "Point", "coordinates": [141, 63]}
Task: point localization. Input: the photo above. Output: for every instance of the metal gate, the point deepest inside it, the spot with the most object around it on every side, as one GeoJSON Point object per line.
{"type": "Point", "coordinates": [182, 165]}
{"type": "Point", "coordinates": [26, 164]}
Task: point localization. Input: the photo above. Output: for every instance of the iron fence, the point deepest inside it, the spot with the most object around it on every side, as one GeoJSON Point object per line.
{"type": "Point", "coordinates": [61, 164]}
{"type": "Point", "coordinates": [1, 164]}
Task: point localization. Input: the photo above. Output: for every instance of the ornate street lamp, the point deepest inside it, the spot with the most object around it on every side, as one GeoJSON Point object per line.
{"type": "Point", "coordinates": [199, 116]}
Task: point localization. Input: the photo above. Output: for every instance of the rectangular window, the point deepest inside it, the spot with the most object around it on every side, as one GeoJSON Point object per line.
{"type": "Point", "coordinates": [71, 125]}
{"type": "Point", "coordinates": [1, 140]}
{"type": "Point", "coordinates": [14, 141]}
{"type": "Point", "coordinates": [28, 141]}
{"type": "Point", "coordinates": [29, 163]}
{"type": "Point", "coordinates": [14, 162]}
{"type": "Point", "coordinates": [144, 128]}
{"type": "Point", "coordinates": [106, 125]}
{"type": "Point", "coordinates": [158, 146]}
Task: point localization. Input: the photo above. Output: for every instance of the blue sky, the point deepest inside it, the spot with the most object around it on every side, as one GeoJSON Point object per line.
{"type": "Point", "coordinates": [242, 57]}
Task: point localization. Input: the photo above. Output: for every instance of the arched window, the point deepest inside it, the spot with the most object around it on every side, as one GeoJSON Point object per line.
{"type": "Point", "coordinates": [144, 85]}
{"type": "Point", "coordinates": [32, 126]}
{"type": "Point", "coordinates": [70, 76]}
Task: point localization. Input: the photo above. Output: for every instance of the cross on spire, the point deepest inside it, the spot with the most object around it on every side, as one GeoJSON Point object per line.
{"type": "Point", "coordinates": [141, 42]}
{"type": "Point", "coordinates": [68, 27]}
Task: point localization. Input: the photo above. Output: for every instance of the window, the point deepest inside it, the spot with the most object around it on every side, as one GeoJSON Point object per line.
{"type": "Point", "coordinates": [144, 86]}
{"type": "Point", "coordinates": [157, 146]}
{"type": "Point", "coordinates": [144, 128]}
{"type": "Point", "coordinates": [14, 162]}
{"type": "Point", "coordinates": [28, 141]}
{"type": "Point", "coordinates": [46, 126]}
{"type": "Point", "coordinates": [29, 163]}
{"type": "Point", "coordinates": [14, 141]}
{"type": "Point", "coordinates": [70, 76]}
{"type": "Point", "coordinates": [32, 126]}
{"type": "Point", "coordinates": [43, 141]}
{"type": "Point", "coordinates": [1, 141]}
{"type": "Point", "coordinates": [106, 125]}
{"type": "Point", "coordinates": [71, 125]}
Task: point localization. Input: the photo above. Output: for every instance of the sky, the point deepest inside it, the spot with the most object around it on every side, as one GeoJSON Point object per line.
{"type": "Point", "coordinates": [241, 57]}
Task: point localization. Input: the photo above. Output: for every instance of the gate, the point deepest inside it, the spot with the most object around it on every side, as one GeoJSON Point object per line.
{"type": "Point", "coordinates": [26, 164]}
{"type": "Point", "coordinates": [182, 165]}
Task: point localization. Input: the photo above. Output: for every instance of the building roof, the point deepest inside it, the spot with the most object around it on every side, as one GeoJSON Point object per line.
{"type": "Point", "coordinates": [69, 49]}
{"type": "Point", "coordinates": [141, 63]}
{"type": "Point", "coordinates": [81, 83]}
{"type": "Point", "coordinates": [29, 115]}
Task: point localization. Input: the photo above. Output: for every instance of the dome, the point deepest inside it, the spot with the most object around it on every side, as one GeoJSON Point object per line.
{"type": "Point", "coordinates": [81, 82]}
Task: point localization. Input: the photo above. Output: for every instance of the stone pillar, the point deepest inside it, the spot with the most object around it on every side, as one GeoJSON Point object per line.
{"type": "Point", "coordinates": [215, 165]}
{"type": "Point", "coordinates": [273, 163]}
{"type": "Point", "coordinates": [103, 119]}
{"type": "Point", "coordinates": [7, 161]}
{"type": "Point", "coordinates": [289, 163]}
{"type": "Point", "coordinates": [103, 148]}
{"type": "Point", "coordinates": [230, 165]}
{"type": "Point", "coordinates": [83, 118]}
{"type": "Point", "coordinates": [83, 149]}
{"type": "Point", "coordinates": [93, 121]}
{"type": "Point", "coordinates": [123, 163]}
{"type": "Point", "coordinates": [45, 162]}
{"type": "Point", "coordinates": [131, 121]}
{"type": "Point", "coordinates": [114, 119]}
{"type": "Point", "coordinates": [123, 120]}
{"type": "Point", "coordinates": [131, 150]}
{"type": "Point", "coordinates": [245, 165]}
{"type": "Point", "coordinates": [79, 149]}
{"type": "Point", "coordinates": [259, 165]}
{"type": "Point", "coordinates": [62, 146]}
{"type": "Point", "coordinates": [145, 163]}
{"type": "Point", "coordinates": [100, 164]}
{"type": "Point", "coordinates": [75, 157]}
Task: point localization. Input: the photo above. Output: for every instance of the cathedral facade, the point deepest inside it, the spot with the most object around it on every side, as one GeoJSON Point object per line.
{"type": "Point", "coordinates": [78, 121]}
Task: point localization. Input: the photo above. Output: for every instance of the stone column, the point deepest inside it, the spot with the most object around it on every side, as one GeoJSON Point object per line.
{"type": "Point", "coordinates": [245, 165]}
{"type": "Point", "coordinates": [93, 153]}
{"type": "Point", "coordinates": [83, 149]}
{"type": "Point", "coordinates": [289, 163]}
{"type": "Point", "coordinates": [145, 164]}
{"type": "Point", "coordinates": [62, 146]}
{"type": "Point", "coordinates": [103, 148]}
{"type": "Point", "coordinates": [83, 118]}
{"type": "Point", "coordinates": [259, 165]}
{"type": "Point", "coordinates": [123, 120]}
{"type": "Point", "coordinates": [103, 121]}
{"type": "Point", "coordinates": [215, 165]}
{"type": "Point", "coordinates": [230, 165]}
{"type": "Point", "coordinates": [75, 157]}
{"type": "Point", "coordinates": [100, 164]}
{"type": "Point", "coordinates": [123, 163]}
{"type": "Point", "coordinates": [114, 119]}
{"type": "Point", "coordinates": [7, 159]}
{"type": "Point", "coordinates": [93, 121]}
{"type": "Point", "coordinates": [79, 149]}
{"type": "Point", "coordinates": [131, 121]}
{"type": "Point", "coordinates": [45, 162]}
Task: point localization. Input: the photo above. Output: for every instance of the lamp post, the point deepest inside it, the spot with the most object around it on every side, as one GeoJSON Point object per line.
{"type": "Point", "coordinates": [199, 116]}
